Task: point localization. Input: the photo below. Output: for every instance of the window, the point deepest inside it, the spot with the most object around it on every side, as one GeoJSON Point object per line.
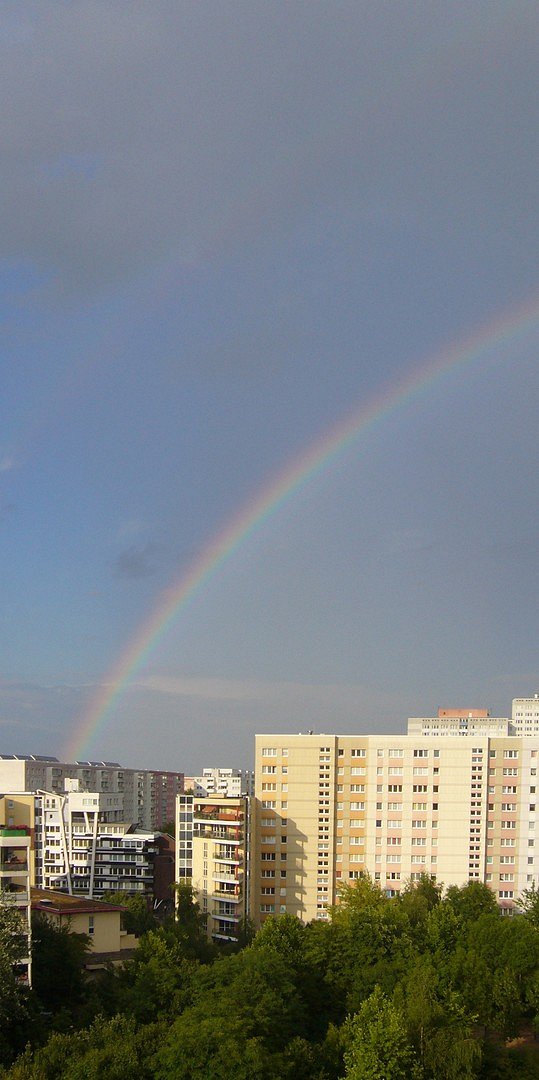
{"type": "Point", "coordinates": [510, 753]}
{"type": "Point", "coordinates": [91, 924]}
{"type": "Point", "coordinates": [419, 841]}
{"type": "Point", "coordinates": [395, 753]}
{"type": "Point", "coordinates": [394, 770]}
{"type": "Point", "coordinates": [358, 753]}
{"type": "Point", "coordinates": [359, 770]}
{"type": "Point", "coordinates": [269, 751]}
{"type": "Point", "coordinates": [421, 753]}
{"type": "Point", "coordinates": [419, 770]}
{"type": "Point", "coordinates": [269, 768]}
{"type": "Point", "coordinates": [419, 823]}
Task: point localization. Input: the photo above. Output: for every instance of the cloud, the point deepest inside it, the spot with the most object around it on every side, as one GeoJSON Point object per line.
{"type": "Point", "coordinates": [136, 562]}
{"type": "Point", "coordinates": [280, 694]}
{"type": "Point", "coordinates": [167, 130]}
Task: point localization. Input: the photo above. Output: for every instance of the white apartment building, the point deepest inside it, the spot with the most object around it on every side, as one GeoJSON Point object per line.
{"type": "Point", "coordinates": [460, 722]}
{"type": "Point", "coordinates": [330, 808]}
{"type": "Point", "coordinates": [525, 715]}
{"type": "Point", "coordinates": [148, 795]}
{"type": "Point", "coordinates": [86, 848]}
{"type": "Point", "coordinates": [218, 781]}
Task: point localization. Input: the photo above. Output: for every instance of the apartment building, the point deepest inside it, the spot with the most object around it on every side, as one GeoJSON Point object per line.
{"type": "Point", "coordinates": [460, 722]}
{"type": "Point", "coordinates": [16, 820]}
{"type": "Point", "coordinates": [212, 853]}
{"type": "Point", "coordinates": [87, 848]}
{"type": "Point", "coordinates": [149, 796]}
{"type": "Point", "coordinates": [525, 715]}
{"type": "Point", "coordinates": [330, 808]}
{"type": "Point", "coordinates": [219, 781]}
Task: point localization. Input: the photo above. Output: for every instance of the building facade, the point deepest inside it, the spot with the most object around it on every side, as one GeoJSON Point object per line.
{"type": "Point", "coordinates": [212, 854]}
{"type": "Point", "coordinates": [88, 849]}
{"type": "Point", "coordinates": [218, 781]}
{"type": "Point", "coordinates": [331, 808]}
{"type": "Point", "coordinates": [525, 715]}
{"type": "Point", "coordinates": [148, 796]}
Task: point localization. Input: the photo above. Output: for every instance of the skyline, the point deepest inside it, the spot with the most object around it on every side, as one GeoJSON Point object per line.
{"type": "Point", "coordinates": [213, 254]}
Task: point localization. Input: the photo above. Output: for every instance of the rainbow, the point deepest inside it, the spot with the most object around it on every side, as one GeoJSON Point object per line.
{"type": "Point", "coordinates": [302, 470]}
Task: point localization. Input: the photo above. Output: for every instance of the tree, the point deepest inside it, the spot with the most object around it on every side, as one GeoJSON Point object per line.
{"type": "Point", "coordinates": [16, 1013]}
{"type": "Point", "coordinates": [58, 957]}
{"type": "Point", "coordinates": [471, 900]}
{"type": "Point", "coordinates": [378, 1047]}
{"type": "Point", "coordinates": [136, 918]}
{"type": "Point", "coordinates": [189, 925]}
{"type": "Point", "coordinates": [528, 903]}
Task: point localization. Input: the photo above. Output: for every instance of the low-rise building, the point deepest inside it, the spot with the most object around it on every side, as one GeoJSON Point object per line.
{"type": "Point", "coordinates": [100, 922]}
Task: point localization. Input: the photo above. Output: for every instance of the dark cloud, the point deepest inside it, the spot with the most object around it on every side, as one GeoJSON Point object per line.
{"type": "Point", "coordinates": [137, 562]}
{"type": "Point", "coordinates": [130, 132]}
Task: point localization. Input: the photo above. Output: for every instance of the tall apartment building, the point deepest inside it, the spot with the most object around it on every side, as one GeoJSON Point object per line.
{"type": "Point", "coordinates": [218, 781]}
{"type": "Point", "coordinates": [148, 796]}
{"type": "Point", "coordinates": [212, 853]}
{"type": "Point", "coordinates": [330, 808]}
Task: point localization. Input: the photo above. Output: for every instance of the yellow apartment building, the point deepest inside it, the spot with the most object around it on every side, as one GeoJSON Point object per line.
{"type": "Point", "coordinates": [330, 808]}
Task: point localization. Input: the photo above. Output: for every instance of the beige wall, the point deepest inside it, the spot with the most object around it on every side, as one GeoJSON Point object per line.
{"type": "Point", "coordinates": [329, 808]}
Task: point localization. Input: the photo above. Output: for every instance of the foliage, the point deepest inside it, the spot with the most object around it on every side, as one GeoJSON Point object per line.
{"type": "Point", "coordinates": [136, 918]}
{"type": "Point", "coordinates": [57, 949]}
{"type": "Point", "coordinates": [418, 985]}
{"type": "Point", "coordinates": [378, 1044]}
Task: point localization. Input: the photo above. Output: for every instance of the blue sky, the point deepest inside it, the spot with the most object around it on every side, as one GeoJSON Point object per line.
{"type": "Point", "coordinates": [224, 225]}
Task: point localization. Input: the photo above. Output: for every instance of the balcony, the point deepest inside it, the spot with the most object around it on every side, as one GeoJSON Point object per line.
{"type": "Point", "coordinates": [230, 897]}
{"type": "Point", "coordinates": [13, 864]}
{"type": "Point", "coordinates": [223, 876]}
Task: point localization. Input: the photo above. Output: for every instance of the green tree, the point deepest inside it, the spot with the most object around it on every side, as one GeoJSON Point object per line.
{"type": "Point", "coordinates": [16, 1012]}
{"type": "Point", "coordinates": [158, 982]}
{"type": "Point", "coordinates": [378, 1047]}
{"type": "Point", "coordinates": [188, 925]}
{"type": "Point", "coordinates": [471, 900]}
{"type": "Point", "coordinates": [58, 975]}
{"type": "Point", "coordinates": [136, 918]}
{"type": "Point", "coordinates": [528, 903]}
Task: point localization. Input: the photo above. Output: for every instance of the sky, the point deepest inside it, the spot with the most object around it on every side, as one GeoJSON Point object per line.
{"type": "Point", "coordinates": [225, 227]}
